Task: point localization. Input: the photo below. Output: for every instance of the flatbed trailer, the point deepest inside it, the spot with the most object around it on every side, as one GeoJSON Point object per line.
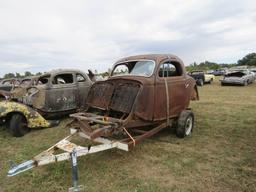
{"type": "Point", "coordinates": [128, 140]}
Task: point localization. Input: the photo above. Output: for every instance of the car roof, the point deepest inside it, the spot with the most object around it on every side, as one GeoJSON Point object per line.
{"type": "Point", "coordinates": [57, 71]}
{"type": "Point", "coordinates": [156, 57]}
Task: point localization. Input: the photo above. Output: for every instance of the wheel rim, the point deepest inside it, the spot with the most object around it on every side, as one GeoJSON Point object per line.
{"type": "Point", "coordinates": [189, 125]}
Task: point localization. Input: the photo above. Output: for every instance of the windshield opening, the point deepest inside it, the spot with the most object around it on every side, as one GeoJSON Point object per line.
{"type": "Point", "coordinates": [25, 82]}
{"type": "Point", "coordinates": [137, 68]}
{"type": "Point", "coordinates": [43, 80]}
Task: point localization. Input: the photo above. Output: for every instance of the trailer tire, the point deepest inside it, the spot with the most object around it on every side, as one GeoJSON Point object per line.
{"type": "Point", "coordinates": [200, 82]}
{"type": "Point", "coordinates": [185, 124]}
{"type": "Point", "coordinates": [18, 125]}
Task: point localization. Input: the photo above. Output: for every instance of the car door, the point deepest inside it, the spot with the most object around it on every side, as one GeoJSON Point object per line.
{"type": "Point", "coordinates": [62, 93]}
{"type": "Point", "coordinates": [84, 85]}
{"type": "Point", "coordinates": [170, 73]}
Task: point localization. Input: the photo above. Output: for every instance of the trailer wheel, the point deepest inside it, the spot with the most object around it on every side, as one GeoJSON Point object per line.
{"type": "Point", "coordinates": [18, 125]}
{"type": "Point", "coordinates": [185, 124]}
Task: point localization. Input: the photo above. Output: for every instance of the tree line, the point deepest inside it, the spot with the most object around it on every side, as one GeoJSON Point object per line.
{"type": "Point", "coordinates": [249, 60]}
{"type": "Point", "coordinates": [18, 75]}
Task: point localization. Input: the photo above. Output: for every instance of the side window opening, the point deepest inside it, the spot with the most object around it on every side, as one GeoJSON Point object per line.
{"type": "Point", "coordinates": [170, 69]}
{"type": "Point", "coordinates": [80, 78]}
{"type": "Point", "coordinates": [63, 79]}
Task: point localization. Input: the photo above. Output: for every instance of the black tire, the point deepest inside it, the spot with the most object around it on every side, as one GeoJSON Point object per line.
{"type": "Point", "coordinates": [18, 125]}
{"type": "Point", "coordinates": [185, 124]}
{"type": "Point", "coordinates": [200, 82]}
{"type": "Point", "coordinates": [245, 83]}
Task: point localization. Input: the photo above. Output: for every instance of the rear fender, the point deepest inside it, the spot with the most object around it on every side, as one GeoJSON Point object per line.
{"type": "Point", "coordinates": [194, 94]}
{"type": "Point", "coordinates": [34, 119]}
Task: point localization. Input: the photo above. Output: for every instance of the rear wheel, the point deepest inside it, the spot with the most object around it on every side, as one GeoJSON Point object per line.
{"type": "Point", "coordinates": [185, 124]}
{"type": "Point", "coordinates": [18, 125]}
{"type": "Point", "coordinates": [200, 82]}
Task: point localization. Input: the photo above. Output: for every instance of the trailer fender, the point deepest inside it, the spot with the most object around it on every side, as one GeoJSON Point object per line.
{"type": "Point", "coordinates": [34, 119]}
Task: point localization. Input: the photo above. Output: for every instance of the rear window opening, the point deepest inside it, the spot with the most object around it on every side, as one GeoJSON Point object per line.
{"type": "Point", "coordinates": [235, 74]}
{"type": "Point", "coordinates": [80, 78]}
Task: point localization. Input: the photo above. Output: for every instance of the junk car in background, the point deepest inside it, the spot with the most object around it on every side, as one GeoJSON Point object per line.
{"type": "Point", "coordinates": [201, 77]}
{"type": "Point", "coordinates": [238, 77]}
{"type": "Point", "coordinates": [54, 94]}
{"type": "Point", "coordinates": [9, 84]}
{"type": "Point", "coordinates": [219, 72]}
{"type": "Point", "coordinates": [18, 90]}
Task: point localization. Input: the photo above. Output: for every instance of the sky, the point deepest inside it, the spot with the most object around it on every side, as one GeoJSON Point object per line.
{"type": "Point", "coordinates": [38, 36]}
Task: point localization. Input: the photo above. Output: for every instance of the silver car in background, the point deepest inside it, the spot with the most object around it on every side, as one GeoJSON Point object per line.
{"type": "Point", "coordinates": [238, 77]}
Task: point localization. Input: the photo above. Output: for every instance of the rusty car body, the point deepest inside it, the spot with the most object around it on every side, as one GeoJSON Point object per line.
{"type": "Point", "coordinates": [50, 96]}
{"type": "Point", "coordinates": [151, 90]}
{"type": "Point", "coordinates": [143, 95]}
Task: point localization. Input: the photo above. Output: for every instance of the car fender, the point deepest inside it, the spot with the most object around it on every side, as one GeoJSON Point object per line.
{"type": "Point", "coordinates": [34, 119]}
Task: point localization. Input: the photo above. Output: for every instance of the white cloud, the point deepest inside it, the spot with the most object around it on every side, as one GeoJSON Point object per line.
{"type": "Point", "coordinates": [17, 65]}
{"type": "Point", "coordinates": [94, 33]}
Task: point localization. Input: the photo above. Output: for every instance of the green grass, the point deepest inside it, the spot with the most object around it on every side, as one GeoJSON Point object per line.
{"type": "Point", "coordinates": [220, 155]}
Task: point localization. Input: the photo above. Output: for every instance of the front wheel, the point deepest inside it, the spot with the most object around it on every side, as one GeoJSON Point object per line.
{"type": "Point", "coordinates": [18, 125]}
{"type": "Point", "coordinates": [185, 124]}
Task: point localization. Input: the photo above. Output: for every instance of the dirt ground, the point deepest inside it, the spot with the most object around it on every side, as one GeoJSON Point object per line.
{"type": "Point", "coordinates": [219, 156]}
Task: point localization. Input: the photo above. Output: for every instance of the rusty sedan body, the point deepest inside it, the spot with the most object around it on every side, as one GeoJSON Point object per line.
{"type": "Point", "coordinates": [52, 95]}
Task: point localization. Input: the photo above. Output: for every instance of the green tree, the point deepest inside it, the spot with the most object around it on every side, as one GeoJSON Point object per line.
{"type": "Point", "coordinates": [18, 75]}
{"type": "Point", "coordinates": [27, 73]}
{"type": "Point", "coordinates": [9, 75]}
{"type": "Point", "coordinates": [38, 73]}
{"type": "Point", "coordinates": [249, 59]}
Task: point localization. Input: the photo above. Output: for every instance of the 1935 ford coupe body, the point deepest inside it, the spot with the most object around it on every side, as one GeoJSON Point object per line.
{"type": "Point", "coordinates": [145, 92]}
